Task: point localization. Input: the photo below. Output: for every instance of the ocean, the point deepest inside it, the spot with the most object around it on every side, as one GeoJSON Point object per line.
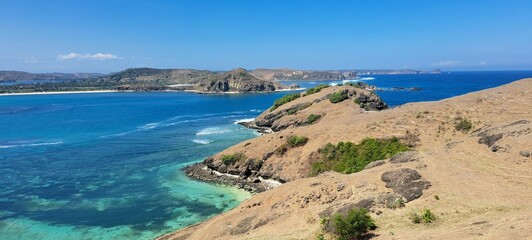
{"type": "Point", "coordinates": [107, 165]}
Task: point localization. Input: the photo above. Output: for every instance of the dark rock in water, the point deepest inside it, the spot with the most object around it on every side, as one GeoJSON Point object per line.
{"type": "Point", "coordinates": [407, 89]}
{"type": "Point", "coordinates": [293, 86]}
{"type": "Point", "coordinates": [404, 157]}
{"type": "Point", "coordinates": [405, 182]}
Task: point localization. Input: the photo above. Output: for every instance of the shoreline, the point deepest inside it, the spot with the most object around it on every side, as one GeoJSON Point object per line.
{"type": "Point", "coordinates": [54, 93]}
{"type": "Point", "coordinates": [116, 91]}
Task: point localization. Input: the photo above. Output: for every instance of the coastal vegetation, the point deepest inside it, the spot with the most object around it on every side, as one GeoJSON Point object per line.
{"type": "Point", "coordinates": [347, 157]}
{"type": "Point", "coordinates": [291, 142]}
{"type": "Point", "coordinates": [338, 96]}
{"type": "Point", "coordinates": [353, 225]}
{"type": "Point", "coordinates": [285, 99]}
{"type": "Point", "coordinates": [296, 141]}
{"type": "Point", "coordinates": [361, 104]}
{"type": "Point", "coordinates": [312, 118]}
{"type": "Point", "coordinates": [232, 158]}
{"type": "Point", "coordinates": [425, 217]}
{"type": "Point", "coordinates": [316, 89]}
{"type": "Point", "coordinates": [463, 125]}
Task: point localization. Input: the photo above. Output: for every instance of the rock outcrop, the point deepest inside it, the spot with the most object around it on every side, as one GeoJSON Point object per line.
{"type": "Point", "coordinates": [237, 80]}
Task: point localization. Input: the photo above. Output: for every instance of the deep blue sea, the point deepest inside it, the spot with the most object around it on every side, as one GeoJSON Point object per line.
{"type": "Point", "coordinates": [106, 165]}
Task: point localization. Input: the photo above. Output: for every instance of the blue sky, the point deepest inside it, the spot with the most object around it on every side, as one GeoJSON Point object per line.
{"type": "Point", "coordinates": [111, 35]}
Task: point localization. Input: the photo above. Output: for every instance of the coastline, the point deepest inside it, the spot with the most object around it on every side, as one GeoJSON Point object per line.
{"type": "Point", "coordinates": [54, 93]}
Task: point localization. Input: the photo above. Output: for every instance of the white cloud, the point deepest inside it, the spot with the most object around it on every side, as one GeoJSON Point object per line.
{"type": "Point", "coordinates": [96, 56]}
{"type": "Point", "coordinates": [482, 63]}
{"type": "Point", "coordinates": [446, 63]}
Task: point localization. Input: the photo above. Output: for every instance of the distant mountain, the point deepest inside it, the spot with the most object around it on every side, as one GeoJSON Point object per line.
{"type": "Point", "coordinates": [7, 76]}
{"type": "Point", "coordinates": [150, 79]}
{"type": "Point", "coordinates": [158, 76]}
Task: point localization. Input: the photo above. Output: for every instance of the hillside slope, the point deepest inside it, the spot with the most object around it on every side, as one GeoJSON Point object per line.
{"type": "Point", "coordinates": [478, 183]}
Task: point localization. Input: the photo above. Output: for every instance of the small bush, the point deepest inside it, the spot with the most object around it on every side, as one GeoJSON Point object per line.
{"type": "Point", "coordinates": [426, 217]}
{"type": "Point", "coordinates": [291, 142]}
{"type": "Point", "coordinates": [415, 218]}
{"type": "Point", "coordinates": [436, 197]}
{"type": "Point", "coordinates": [281, 150]}
{"type": "Point", "coordinates": [232, 158]}
{"type": "Point", "coordinates": [463, 125]}
{"type": "Point", "coordinates": [317, 89]}
{"type": "Point", "coordinates": [355, 84]}
{"type": "Point", "coordinates": [338, 97]}
{"type": "Point", "coordinates": [292, 111]}
{"type": "Point", "coordinates": [347, 157]}
{"type": "Point", "coordinates": [296, 141]}
{"type": "Point", "coordinates": [285, 99]}
{"type": "Point", "coordinates": [312, 118]}
{"type": "Point", "coordinates": [354, 225]}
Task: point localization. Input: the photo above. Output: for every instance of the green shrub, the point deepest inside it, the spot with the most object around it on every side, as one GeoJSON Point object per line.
{"type": "Point", "coordinates": [427, 217]}
{"type": "Point", "coordinates": [292, 111]}
{"type": "Point", "coordinates": [338, 97]}
{"type": "Point", "coordinates": [285, 99]}
{"type": "Point", "coordinates": [232, 158]}
{"type": "Point", "coordinates": [354, 225]}
{"type": "Point", "coordinates": [296, 141]}
{"type": "Point", "coordinates": [357, 84]}
{"type": "Point", "coordinates": [317, 89]}
{"type": "Point", "coordinates": [347, 157]}
{"type": "Point", "coordinates": [291, 142]}
{"type": "Point", "coordinates": [312, 118]}
{"type": "Point", "coordinates": [415, 218]}
{"type": "Point", "coordinates": [281, 150]}
{"type": "Point", "coordinates": [463, 125]}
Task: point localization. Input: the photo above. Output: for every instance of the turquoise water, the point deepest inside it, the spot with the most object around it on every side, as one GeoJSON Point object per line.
{"type": "Point", "coordinates": [106, 165]}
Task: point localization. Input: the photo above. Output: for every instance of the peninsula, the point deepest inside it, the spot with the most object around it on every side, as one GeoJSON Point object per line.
{"type": "Point", "coordinates": [464, 161]}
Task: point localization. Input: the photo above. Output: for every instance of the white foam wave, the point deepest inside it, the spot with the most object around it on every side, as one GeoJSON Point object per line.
{"type": "Point", "coordinates": [348, 81]}
{"type": "Point", "coordinates": [31, 144]}
{"type": "Point", "coordinates": [367, 78]}
{"type": "Point", "coordinates": [149, 126]}
{"type": "Point", "coordinates": [212, 130]}
{"type": "Point", "coordinates": [201, 141]}
{"type": "Point", "coordinates": [255, 110]}
{"type": "Point", "coordinates": [288, 90]}
{"type": "Point", "coordinates": [244, 120]}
